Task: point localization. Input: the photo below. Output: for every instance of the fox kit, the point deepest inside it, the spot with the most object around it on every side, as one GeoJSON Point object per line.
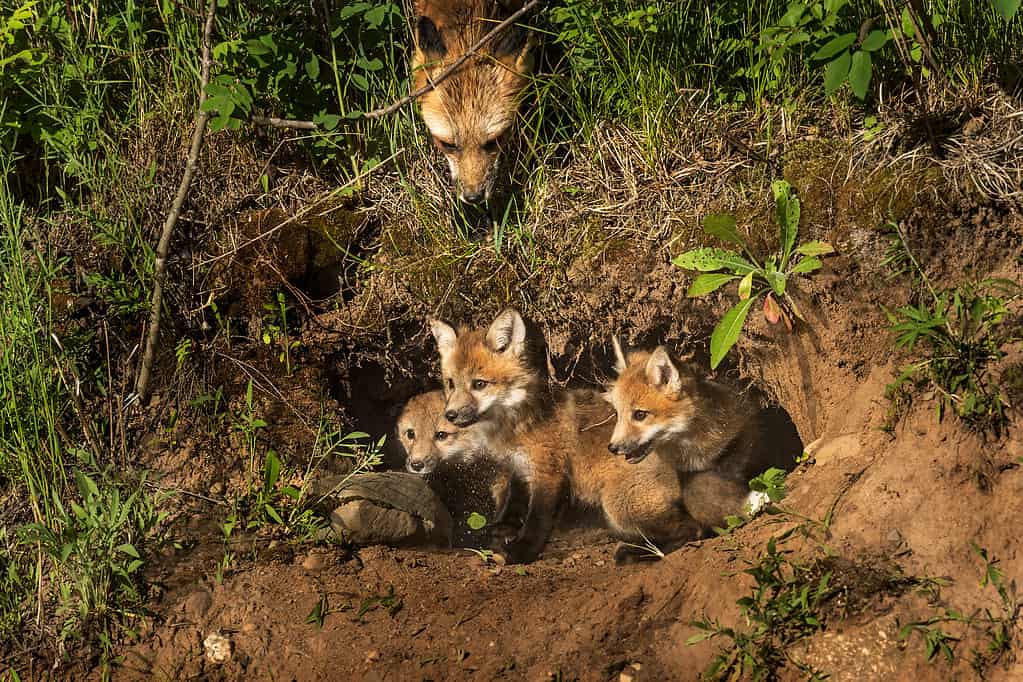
{"type": "Point", "coordinates": [554, 443]}
{"type": "Point", "coordinates": [695, 424]}
{"type": "Point", "coordinates": [421, 432]}
{"type": "Point", "coordinates": [471, 114]}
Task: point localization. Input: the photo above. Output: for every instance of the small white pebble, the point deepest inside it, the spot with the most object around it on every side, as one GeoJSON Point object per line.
{"type": "Point", "coordinates": [217, 647]}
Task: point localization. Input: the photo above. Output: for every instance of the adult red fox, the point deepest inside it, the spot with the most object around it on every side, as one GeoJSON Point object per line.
{"type": "Point", "coordinates": [471, 114]}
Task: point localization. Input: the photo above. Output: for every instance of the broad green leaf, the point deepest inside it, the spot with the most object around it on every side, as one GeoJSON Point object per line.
{"type": "Point", "coordinates": [1007, 8]}
{"type": "Point", "coordinates": [709, 260]}
{"type": "Point", "coordinates": [834, 46]}
{"type": "Point", "coordinates": [860, 72]}
{"type": "Point", "coordinates": [815, 248]}
{"type": "Point", "coordinates": [359, 81]}
{"type": "Point", "coordinates": [699, 637]}
{"type": "Point", "coordinates": [129, 550]}
{"type": "Point", "coordinates": [704, 284]}
{"type": "Point", "coordinates": [745, 286]}
{"type": "Point", "coordinates": [875, 41]}
{"type": "Point", "coordinates": [272, 513]}
{"type": "Point", "coordinates": [722, 226]}
{"type": "Point", "coordinates": [777, 281]}
{"type": "Point", "coordinates": [787, 214]}
{"type": "Point", "coordinates": [808, 264]}
{"type": "Point", "coordinates": [726, 333]}
{"type": "Point", "coordinates": [312, 67]}
{"type": "Point", "coordinates": [836, 71]}
{"type": "Point", "coordinates": [271, 470]}
{"type": "Point", "coordinates": [376, 16]}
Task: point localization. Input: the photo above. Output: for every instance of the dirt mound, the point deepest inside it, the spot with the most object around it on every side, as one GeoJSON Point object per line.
{"type": "Point", "coordinates": [894, 546]}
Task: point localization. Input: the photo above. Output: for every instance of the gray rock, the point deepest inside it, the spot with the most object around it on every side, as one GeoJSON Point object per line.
{"type": "Point", "coordinates": [388, 508]}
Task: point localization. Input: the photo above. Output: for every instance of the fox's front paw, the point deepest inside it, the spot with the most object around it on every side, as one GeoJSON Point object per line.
{"type": "Point", "coordinates": [515, 550]}
{"type": "Point", "coordinates": [504, 533]}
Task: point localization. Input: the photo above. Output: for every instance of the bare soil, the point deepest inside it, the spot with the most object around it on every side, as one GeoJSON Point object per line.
{"type": "Point", "coordinates": [905, 503]}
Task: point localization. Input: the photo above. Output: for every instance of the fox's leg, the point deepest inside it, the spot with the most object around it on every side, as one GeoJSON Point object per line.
{"type": "Point", "coordinates": [500, 491]}
{"type": "Point", "coordinates": [544, 501]}
{"type": "Point", "coordinates": [645, 512]}
{"type": "Point", "coordinates": [710, 497]}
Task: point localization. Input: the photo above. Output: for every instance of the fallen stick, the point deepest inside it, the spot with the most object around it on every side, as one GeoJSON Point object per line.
{"type": "Point", "coordinates": [153, 332]}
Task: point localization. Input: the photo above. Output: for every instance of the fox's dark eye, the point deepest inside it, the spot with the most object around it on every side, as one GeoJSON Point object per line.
{"type": "Point", "coordinates": [451, 384]}
{"type": "Point", "coordinates": [639, 415]}
{"type": "Point", "coordinates": [479, 384]}
{"type": "Point", "coordinates": [410, 434]}
{"type": "Point", "coordinates": [441, 435]}
{"type": "Point", "coordinates": [491, 146]}
{"type": "Point", "coordinates": [445, 145]}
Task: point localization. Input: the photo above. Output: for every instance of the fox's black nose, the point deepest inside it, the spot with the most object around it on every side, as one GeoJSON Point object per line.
{"type": "Point", "coordinates": [613, 447]}
{"type": "Point", "coordinates": [415, 465]}
{"type": "Point", "coordinates": [472, 197]}
{"type": "Point", "coordinates": [451, 416]}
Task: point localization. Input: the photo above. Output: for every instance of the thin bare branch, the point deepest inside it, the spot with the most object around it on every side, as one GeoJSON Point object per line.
{"type": "Point", "coordinates": [284, 123]}
{"type": "Point", "coordinates": [202, 117]}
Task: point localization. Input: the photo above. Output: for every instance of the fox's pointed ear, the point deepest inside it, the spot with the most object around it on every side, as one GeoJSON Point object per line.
{"type": "Point", "coordinates": [429, 40]}
{"type": "Point", "coordinates": [662, 372]}
{"type": "Point", "coordinates": [445, 335]}
{"type": "Point", "coordinates": [620, 362]}
{"type": "Point", "coordinates": [507, 333]}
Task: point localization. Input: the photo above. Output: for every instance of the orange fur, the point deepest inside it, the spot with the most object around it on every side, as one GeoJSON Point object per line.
{"type": "Point", "coordinates": [554, 442]}
{"type": "Point", "coordinates": [471, 114]}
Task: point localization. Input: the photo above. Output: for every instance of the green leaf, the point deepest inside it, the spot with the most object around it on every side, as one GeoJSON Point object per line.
{"type": "Point", "coordinates": [704, 284]}
{"type": "Point", "coordinates": [274, 516]}
{"type": "Point", "coordinates": [312, 67]}
{"type": "Point", "coordinates": [271, 470]}
{"type": "Point", "coordinates": [808, 264]}
{"type": "Point", "coordinates": [709, 260]}
{"type": "Point", "coordinates": [699, 637]}
{"type": "Point", "coordinates": [875, 41]}
{"type": "Point", "coordinates": [836, 72]}
{"type": "Point", "coordinates": [318, 613]}
{"type": "Point", "coordinates": [1007, 8]}
{"type": "Point", "coordinates": [376, 16]}
{"type": "Point", "coordinates": [815, 248]}
{"type": "Point", "coordinates": [860, 72]}
{"type": "Point", "coordinates": [476, 521]}
{"type": "Point", "coordinates": [787, 212]}
{"type": "Point", "coordinates": [726, 333]}
{"type": "Point", "coordinates": [129, 550]}
{"type": "Point", "coordinates": [777, 281]}
{"type": "Point", "coordinates": [722, 226]}
{"type": "Point", "coordinates": [746, 286]}
{"type": "Point", "coordinates": [834, 46]}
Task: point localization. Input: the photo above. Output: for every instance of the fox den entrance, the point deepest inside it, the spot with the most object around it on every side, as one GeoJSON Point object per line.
{"type": "Point", "coordinates": [656, 456]}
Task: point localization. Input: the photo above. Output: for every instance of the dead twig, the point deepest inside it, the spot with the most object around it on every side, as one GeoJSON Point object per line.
{"type": "Point", "coordinates": [202, 117]}
{"type": "Point", "coordinates": [283, 123]}
{"type": "Point", "coordinates": [378, 113]}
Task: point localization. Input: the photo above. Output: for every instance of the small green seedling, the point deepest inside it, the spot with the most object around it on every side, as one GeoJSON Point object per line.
{"type": "Point", "coordinates": [476, 521]}
{"type": "Point", "coordinates": [769, 278]}
{"type": "Point", "coordinates": [771, 483]}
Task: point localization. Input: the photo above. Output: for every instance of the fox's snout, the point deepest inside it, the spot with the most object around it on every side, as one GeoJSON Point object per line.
{"type": "Point", "coordinates": [623, 448]}
{"type": "Point", "coordinates": [465, 416]}
{"type": "Point", "coordinates": [420, 466]}
{"type": "Point", "coordinates": [472, 196]}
